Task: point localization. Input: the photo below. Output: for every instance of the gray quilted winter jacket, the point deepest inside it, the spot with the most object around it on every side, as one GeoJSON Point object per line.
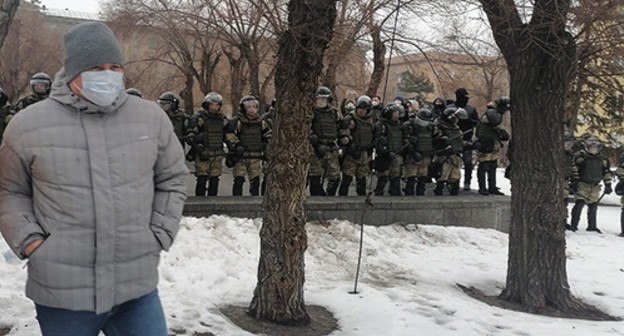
{"type": "Point", "coordinates": [105, 186]}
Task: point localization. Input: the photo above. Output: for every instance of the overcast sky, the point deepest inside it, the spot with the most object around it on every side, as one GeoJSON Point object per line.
{"type": "Point", "coordinates": [78, 5]}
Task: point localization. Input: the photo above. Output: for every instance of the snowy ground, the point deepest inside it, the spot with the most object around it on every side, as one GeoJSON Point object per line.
{"type": "Point", "coordinates": [407, 282]}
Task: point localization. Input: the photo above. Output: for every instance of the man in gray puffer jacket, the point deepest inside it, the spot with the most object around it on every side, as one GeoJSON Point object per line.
{"type": "Point", "coordinates": [92, 187]}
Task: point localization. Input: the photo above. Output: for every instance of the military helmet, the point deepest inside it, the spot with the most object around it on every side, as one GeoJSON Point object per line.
{"type": "Point", "coordinates": [592, 144]}
{"type": "Point", "coordinates": [424, 114]}
{"type": "Point", "coordinates": [247, 100]}
{"type": "Point", "coordinates": [212, 97]}
{"type": "Point", "coordinates": [502, 104]}
{"type": "Point", "coordinates": [493, 117]}
{"type": "Point", "coordinates": [3, 98]}
{"type": "Point", "coordinates": [324, 92]}
{"type": "Point", "coordinates": [41, 78]}
{"type": "Point", "coordinates": [134, 92]}
{"type": "Point", "coordinates": [449, 114]}
{"type": "Point", "coordinates": [364, 102]}
{"type": "Point", "coordinates": [390, 108]}
{"type": "Point", "coordinates": [170, 98]}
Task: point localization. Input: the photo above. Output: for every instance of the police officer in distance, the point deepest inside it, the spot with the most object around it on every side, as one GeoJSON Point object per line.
{"type": "Point", "coordinates": [467, 126]}
{"type": "Point", "coordinates": [247, 138]}
{"type": "Point", "coordinates": [170, 103]}
{"type": "Point", "coordinates": [419, 134]}
{"type": "Point", "coordinates": [360, 131]}
{"type": "Point", "coordinates": [389, 149]}
{"type": "Point", "coordinates": [449, 149]}
{"type": "Point", "coordinates": [40, 84]}
{"type": "Point", "coordinates": [325, 142]}
{"type": "Point", "coordinates": [490, 138]}
{"type": "Point", "coordinates": [588, 170]}
{"type": "Point", "coordinates": [206, 135]}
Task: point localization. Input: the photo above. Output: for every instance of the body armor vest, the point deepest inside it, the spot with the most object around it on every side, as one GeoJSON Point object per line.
{"type": "Point", "coordinates": [213, 127]}
{"type": "Point", "coordinates": [324, 124]}
{"type": "Point", "coordinates": [425, 138]}
{"type": "Point", "coordinates": [591, 170]}
{"type": "Point", "coordinates": [454, 135]}
{"type": "Point", "coordinates": [177, 119]}
{"type": "Point", "coordinates": [485, 131]}
{"type": "Point", "coordinates": [250, 136]}
{"type": "Point", "coordinates": [394, 133]}
{"type": "Point", "coordinates": [363, 133]}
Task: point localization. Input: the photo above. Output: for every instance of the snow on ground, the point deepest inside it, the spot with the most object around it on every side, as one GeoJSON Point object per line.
{"type": "Point", "coordinates": [407, 281]}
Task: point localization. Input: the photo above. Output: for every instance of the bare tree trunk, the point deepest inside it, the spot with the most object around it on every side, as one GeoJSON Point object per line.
{"type": "Point", "coordinates": [540, 57]}
{"type": "Point", "coordinates": [8, 9]}
{"type": "Point", "coordinates": [379, 55]}
{"type": "Point", "coordinates": [237, 81]}
{"type": "Point", "coordinates": [187, 92]}
{"type": "Point", "coordinates": [278, 296]}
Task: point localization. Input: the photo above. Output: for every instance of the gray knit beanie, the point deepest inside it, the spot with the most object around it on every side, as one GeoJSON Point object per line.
{"type": "Point", "coordinates": [88, 45]}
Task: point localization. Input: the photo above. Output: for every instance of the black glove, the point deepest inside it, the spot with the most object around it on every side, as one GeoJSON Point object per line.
{"type": "Point", "coordinates": [476, 145]}
{"type": "Point", "coordinates": [608, 190]}
{"type": "Point", "coordinates": [320, 151]}
{"type": "Point", "coordinates": [190, 156]}
{"type": "Point", "coordinates": [314, 140]}
{"type": "Point", "coordinates": [573, 185]}
{"type": "Point", "coordinates": [416, 156]}
{"type": "Point", "coordinates": [382, 141]}
{"type": "Point", "coordinates": [240, 150]}
{"type": "Point", "coordinates": [199, 138]}
{"type": "Point", "coordinates": [230, 160]}
{"type": "Point", "coordinates": [353, 151]}
{"type": "Point", "coordinates": [413, 140]}
{"type": "Point", "coordinates": [391, 156]}
{"type": "Point", "coordinates": [468, 145]}
{"type": "Point", "coordinates": [502, 134]}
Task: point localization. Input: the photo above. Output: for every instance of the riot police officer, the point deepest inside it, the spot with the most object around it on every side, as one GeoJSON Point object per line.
{"type": "Point", "coordinates": [467, 126]}
{"type": "Point", "coordinates": [355, 162]}
{"type": "Point", "coordinates": [419, 134]}
{"type": "Point", "coordinates": [206, 135]}
{"type": "Point", "coordinates": [40, 84]}
{"type": "Point", "coordinates": [389, 149]}
{"type": "Point", "coordinates": [324, 161]}
{"type": "Point", "coordinates": [589, 169]}
{"type": "Point", "coordinates": [448, 151]}
{"type": "Point", "coordinates": [490, 138]}
{"type": "Point", "coordinates": [247, 137]}
{"type": "Point", "coordinates": [170, 103]}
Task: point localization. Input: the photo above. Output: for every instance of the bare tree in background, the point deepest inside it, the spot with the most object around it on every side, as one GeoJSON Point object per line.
{"type": "Point", "coordinates": [279, 295]}
{"type": "Point", "coordinates": [7, 12]}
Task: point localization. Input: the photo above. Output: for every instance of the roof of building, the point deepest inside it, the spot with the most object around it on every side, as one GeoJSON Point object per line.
{"type": "Point", "coordinates": [72, 14]}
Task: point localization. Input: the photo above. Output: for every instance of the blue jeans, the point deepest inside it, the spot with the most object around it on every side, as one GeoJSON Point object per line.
{"type": "Point", "coordinates": [142, 316]}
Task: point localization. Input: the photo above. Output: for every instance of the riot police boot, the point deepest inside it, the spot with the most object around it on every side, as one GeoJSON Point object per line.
{"type": "Point", "coordinates": [316, 188]}
{"type": "Point", "coordinates": [332, 187]}
{"type": "Point", "coordinates": [213, 186]}
{"type": "Point", "coordinates": [381, 185]}
{"type": "Point", "coordinates": [410, 183]}
{"type": "Point", "coordinates": [481, 171]}
{"type": "Point", "coordinates": [360, 186]}
{"type": "Point", "coordinates": [254, 186]}
{"type": "Point", "coordinates": [200, 187]}
{"type": "Point", "coordinates": [263, 186]}
{"type": "Point", "coordinates": [454, 188]}
{"type": "Point", "coordinates": [421, 186]}
{"type": "Point", "coordinates": [492, 189]}
{"type": "Point", "coordinates": [395, 186]}
{"type": "Point", "coordinates": [439, 189]}
{"type": "Point", "coordinates": [592, 212]}
{"type": "Point", "coordinates": [576, 214]}
{"type": "Point", "coordinates": [622, 223]}
{"type": "Point", "coordinates": [344, 185]}
{"type": "Point", "coordinates": [237, 187]}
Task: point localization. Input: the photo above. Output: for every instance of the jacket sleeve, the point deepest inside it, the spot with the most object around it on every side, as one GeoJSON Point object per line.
{"type": "Point", "coordinates": [17, 219]}
{"type": "Point", "coordinates": [170, 175]}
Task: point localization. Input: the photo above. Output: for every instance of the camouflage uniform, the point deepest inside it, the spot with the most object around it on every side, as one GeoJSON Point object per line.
{"type": "Point", "coordinates": [247, 141]}
{"type": "Point", "coordinates": [588, 170]}
{"type": "Point", "coordinates": [22, 104]}
{"type": "Point", "coordinates": [418, 135]}
{"type": "Point", "coordinates": [324, 160]}
{"type": "Point", "coordinates": [206, 135]}
{"type": "Point", "coordinates": [179, 120]}
{"type": "Point", "coordinates": [449, 158]}
{"type": "Point", "coordinates": [490, 138]}
{"type": "Point", "coordinates": [389, 149]}
{"type": "Point", "coordinates": [356, 157]}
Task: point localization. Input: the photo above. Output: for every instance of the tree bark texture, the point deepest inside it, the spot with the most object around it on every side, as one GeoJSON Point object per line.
{"type": "Point", "coordinates": [540, 56]}
{"type": "Point", "coordinates": [379, 54]}
{"type": "Point", "coordinates": [279, 296]}
{"type": "Point", "coordinates": [7, 13]}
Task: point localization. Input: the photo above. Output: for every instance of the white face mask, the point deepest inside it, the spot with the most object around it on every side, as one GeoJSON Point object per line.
{"type": "Point", "coordinates": [102, 87]}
